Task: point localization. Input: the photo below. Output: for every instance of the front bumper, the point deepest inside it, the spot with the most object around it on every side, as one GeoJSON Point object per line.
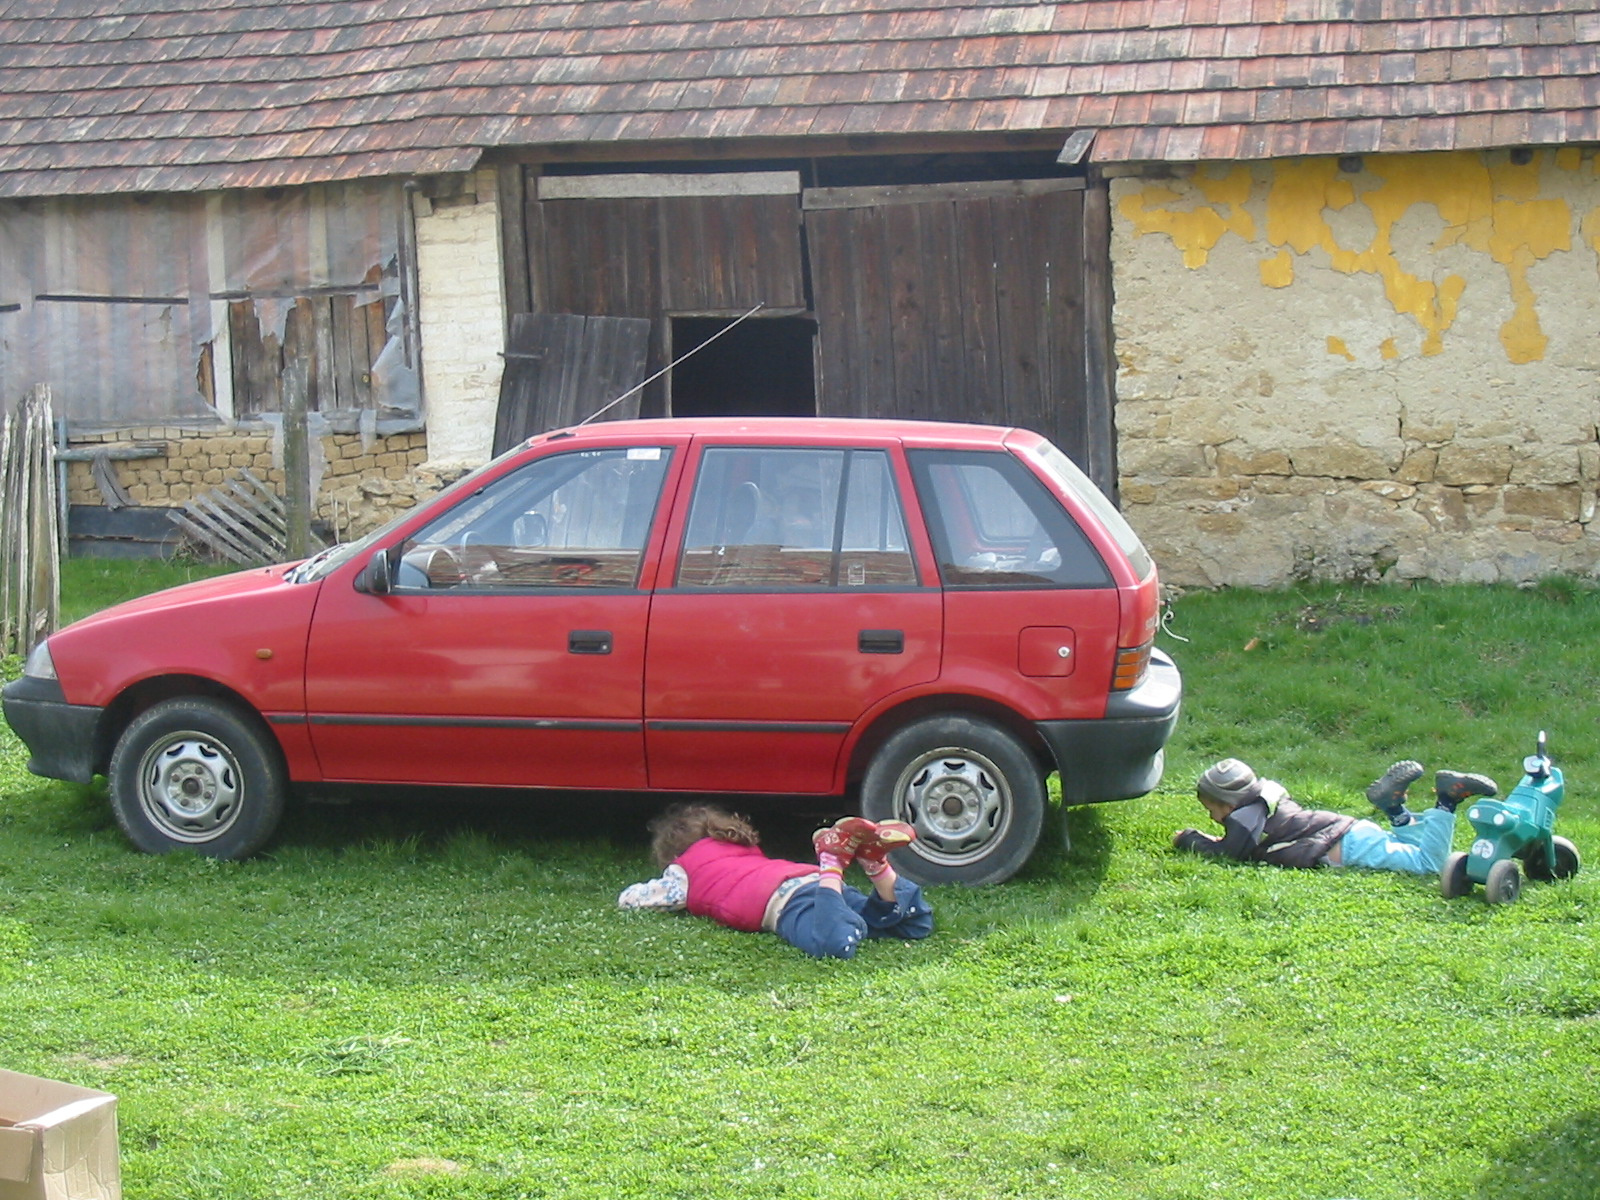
{"type": "Point", "coordinates": [60, 737]}
{"type": "Point", "coordinates": [1121, 755]}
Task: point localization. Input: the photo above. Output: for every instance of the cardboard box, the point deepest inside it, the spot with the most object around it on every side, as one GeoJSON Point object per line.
{"type": "Point", "coordinates": [57, 1141]}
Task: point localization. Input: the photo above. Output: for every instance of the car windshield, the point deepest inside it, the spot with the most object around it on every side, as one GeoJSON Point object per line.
{"type": "Point", "coordinates": [325, 562]}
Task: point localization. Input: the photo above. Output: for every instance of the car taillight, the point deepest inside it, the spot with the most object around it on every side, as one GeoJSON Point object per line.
{"type": "Point", "coordinates": [1132, 663]}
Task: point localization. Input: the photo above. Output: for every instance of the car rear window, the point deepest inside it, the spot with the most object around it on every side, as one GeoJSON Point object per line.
{"type": "Point", "coordinates": [1061, 468]}
{"type": "Point", "coordinates": [995, 524]}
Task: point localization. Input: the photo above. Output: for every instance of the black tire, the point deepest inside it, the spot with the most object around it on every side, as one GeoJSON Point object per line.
{"type": "Point", "coordinates": [1453, 879]}
{"type": "Point", "coordinates": [197, 774]}
{"type": "Point", "coordinates": [1568, 862]}
{"type": "Point", "coordinates": [972, 791]}
{"type": "Point", "coordinates": [1504, 883]}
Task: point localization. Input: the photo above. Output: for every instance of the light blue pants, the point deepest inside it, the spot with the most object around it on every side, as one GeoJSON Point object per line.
{"type": "Point", "coordinates": [1417, 848]}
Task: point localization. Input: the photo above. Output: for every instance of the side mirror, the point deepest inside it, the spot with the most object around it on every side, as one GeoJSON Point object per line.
{"type": "Point", "coordinates": [376, 580]}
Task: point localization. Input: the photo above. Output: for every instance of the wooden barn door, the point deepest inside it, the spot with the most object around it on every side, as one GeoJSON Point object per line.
{"type": "Point", "coordinates": [961, 302]}
{"type": "Point", "coordinates": [562, 369]}
{"type": "Point", "coordinates": [660, 247]}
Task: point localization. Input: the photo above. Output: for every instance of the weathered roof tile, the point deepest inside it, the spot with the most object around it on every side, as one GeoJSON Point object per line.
{"type": "Point", "coordinates": [182, 94]}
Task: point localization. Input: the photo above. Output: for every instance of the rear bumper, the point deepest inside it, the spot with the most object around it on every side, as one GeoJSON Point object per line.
{"type": "Point", "coordinates": [1121, 755]}
{"type": "Point", "coordinates": [60, 737]}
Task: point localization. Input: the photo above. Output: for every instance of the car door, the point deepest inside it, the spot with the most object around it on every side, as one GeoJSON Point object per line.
{"type": "Point", "coordinates": [1031, 609]}
{"type": "Point", "coordinates": [794, 607]}
{"type": "Point", "coordinates": [509, 650]}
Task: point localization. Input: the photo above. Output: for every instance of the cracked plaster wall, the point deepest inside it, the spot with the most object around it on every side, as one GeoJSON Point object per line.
{"type": "Point", "coordinates": [1387, 371]}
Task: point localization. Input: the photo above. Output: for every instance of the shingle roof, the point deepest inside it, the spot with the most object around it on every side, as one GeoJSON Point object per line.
{"type": "Point", "coordinates": [200, 94]}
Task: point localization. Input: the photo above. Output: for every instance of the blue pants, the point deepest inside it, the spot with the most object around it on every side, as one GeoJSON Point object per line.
{"type": "Point", "coordinates": [829, 924]}
{"type": "Point", "coordinates": [1417, 848]}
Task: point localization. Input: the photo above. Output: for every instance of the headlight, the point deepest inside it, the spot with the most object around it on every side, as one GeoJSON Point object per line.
{"type": "Point", "coordinates": [40, 665]}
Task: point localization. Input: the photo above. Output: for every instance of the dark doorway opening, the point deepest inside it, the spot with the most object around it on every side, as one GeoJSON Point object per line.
{"type": "Point", "coordinates": [763, 368]}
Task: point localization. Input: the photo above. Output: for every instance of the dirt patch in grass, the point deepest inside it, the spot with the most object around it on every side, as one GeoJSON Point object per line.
{"type": "Point", "coordinates": [1315, 618]}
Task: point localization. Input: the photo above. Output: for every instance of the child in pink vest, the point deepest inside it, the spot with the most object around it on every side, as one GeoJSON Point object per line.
{"type": "Point", "coordinates": [714, 867]}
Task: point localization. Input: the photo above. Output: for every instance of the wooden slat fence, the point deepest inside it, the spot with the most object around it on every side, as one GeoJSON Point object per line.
{"type": "Point", "coordinates": [30, 548]}
{"type": "Point", "coordinates": [242, 521]}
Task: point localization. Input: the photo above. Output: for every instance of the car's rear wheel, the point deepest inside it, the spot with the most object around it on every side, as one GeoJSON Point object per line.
{"type": "Point", "coordinates": [197, 774]}
{"type": "Point", "coordinates": [972, 791]}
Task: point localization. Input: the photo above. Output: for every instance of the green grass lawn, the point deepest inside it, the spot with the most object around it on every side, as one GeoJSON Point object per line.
{"type": "Point", "coordinates": [413, 999]}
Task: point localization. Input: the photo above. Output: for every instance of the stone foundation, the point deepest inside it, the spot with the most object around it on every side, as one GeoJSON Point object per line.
{"type": "Point", "coordinates": [360, 483]}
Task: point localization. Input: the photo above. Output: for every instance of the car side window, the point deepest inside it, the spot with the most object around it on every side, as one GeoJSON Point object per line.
{"type": "Point", "coordinates": [771, 518]}
{"type": "Point", "coordinates": [578, 520]}
{"type": "Point", "coordinates": [995, 524]}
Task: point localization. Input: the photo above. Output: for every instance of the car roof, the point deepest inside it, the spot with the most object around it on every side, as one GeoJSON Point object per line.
{"type": "Point", "coordinates": [797, 430]}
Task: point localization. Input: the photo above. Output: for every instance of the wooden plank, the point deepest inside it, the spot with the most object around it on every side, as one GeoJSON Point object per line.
{"type": "Point", "coordinates": [296, 455]}
{"type": "Point", "coordinates": [651, 186]}
{"type": "Point", "coordinates": [268, 517]}
{"type": "Point", "coordinates": [561, 368]}
{"type": "Point", "coordinates": [913, 375]}
{"type": "Point", "coordinates": [1016, 307]}
{"type": "Point", "coordinates": [925, 193]}
{"type": "Point", "coordinates": [212, 533]}
{"type": "Point", "coordinates": [532, 217]}
{"type": "Point", "coordinates": [943, 308]}
{"type": "Point", "coordinates": [1099, 362]}
{"type": "Point", "coordinates": [29, 524]}
{"type": "Point", "coordinates": [511, 192]}
{"type": "Point", "coordinates": [323, 391]}
{"type": "Point", "coordinates": [851, 280]}
{"type": "Point", "coordinates": [344, 369]}
{"type": "Point", "coordinates": [227, 514]}
{"type": "Point", "coordinates": [1062, 416]}
{"type": "Point", "coordinates": [978, 375]}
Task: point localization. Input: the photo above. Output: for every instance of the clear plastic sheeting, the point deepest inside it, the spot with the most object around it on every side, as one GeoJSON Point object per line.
{"type": "Point", "coordinates": [181, 309]}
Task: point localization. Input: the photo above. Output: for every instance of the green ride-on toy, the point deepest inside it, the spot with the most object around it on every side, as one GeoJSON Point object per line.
{"type": "Point", "coordinates": [1517, 827]}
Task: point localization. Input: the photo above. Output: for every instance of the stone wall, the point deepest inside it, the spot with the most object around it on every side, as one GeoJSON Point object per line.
{"type": "Point", "coordinates": [359, 484]}
{"type": "Point", "coordinates": [1355, 369]}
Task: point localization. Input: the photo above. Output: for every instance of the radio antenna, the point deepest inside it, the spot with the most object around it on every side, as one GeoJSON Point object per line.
{"type": "Point", "coordinates": [647, 382]}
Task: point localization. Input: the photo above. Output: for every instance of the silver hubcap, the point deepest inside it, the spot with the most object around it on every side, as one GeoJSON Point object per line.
{"type": "Point", "coordinates": [959, 802]}
{"type": "Point", "coordinates": [189, 787]}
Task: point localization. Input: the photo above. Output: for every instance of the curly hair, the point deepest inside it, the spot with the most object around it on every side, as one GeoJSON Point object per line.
{"type": "Point", "coordinates": [682, 825]}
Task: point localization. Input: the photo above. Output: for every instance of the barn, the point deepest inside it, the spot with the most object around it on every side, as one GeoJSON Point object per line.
{"type": "Point", "coordinates": [1307, 285]}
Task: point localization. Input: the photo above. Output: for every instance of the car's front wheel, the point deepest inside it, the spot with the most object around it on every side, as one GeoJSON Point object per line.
{"type": "Point", "coordinates": [972, 791]}
{"type": "Point", "coordinates": [197, 774]}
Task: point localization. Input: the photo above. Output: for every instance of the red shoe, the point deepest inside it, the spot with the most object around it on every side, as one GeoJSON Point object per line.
{"type": "Point", "coordinates": [844, 838]}
{"type": "Point", "coordinates": [889, 835]}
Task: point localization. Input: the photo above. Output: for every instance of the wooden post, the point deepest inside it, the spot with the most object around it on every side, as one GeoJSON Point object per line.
{"type": "Point", "coordinates": [296, 457]}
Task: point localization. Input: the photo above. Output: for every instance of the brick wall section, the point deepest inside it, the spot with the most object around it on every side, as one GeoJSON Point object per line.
{"type": "Point", "coordinates": [461, 311]}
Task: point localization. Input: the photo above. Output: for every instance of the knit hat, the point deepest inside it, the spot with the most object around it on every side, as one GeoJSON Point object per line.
{"type": "Point", "coordinates": [1229, 782]}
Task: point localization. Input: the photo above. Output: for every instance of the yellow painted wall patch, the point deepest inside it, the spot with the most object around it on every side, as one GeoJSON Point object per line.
{"type": "Point", "coordinates": [1498, 209]}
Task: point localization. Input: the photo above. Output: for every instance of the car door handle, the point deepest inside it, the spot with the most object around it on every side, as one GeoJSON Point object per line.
{"type": "Point", "coordinates": [589, 641]}
{"type": "Point", "coordinates": [881, 641]}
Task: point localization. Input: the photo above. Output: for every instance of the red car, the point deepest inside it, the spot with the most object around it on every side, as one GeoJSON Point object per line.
{"type": "Point", "coordinates": [929, 618]}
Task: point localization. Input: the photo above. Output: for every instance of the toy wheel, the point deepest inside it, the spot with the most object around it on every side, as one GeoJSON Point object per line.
{"type": "Point", "coordinates": [1504, 883]}
{"type": "Point", "coordinates": [1567, 862]}
{"type": "Point", "coordinates": [1453, 879]}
